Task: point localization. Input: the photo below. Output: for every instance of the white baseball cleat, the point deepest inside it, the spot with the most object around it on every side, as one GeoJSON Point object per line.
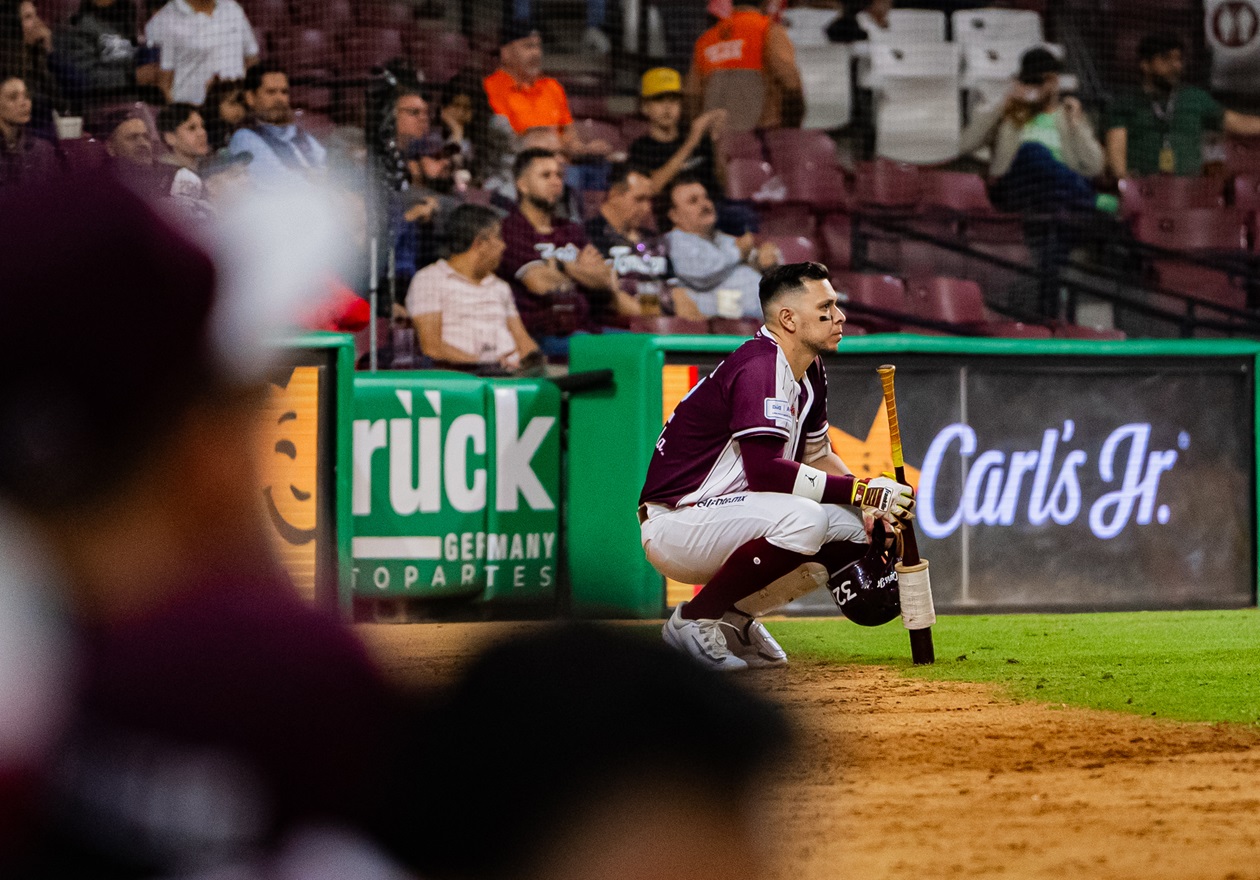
{"type": "Point", "coordinates": [751, 642]}
{"type": "Point", "coordinates": [702, 640]}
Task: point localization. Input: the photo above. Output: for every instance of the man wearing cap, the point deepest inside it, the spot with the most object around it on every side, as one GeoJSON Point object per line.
{"type": "Point", "coordinates": [670, 148]}
{"type": "Point", "coordinates": [430, 197]}
{"type": "Point", "coordinates": [1044, 148]}
{"type": "Point", "coordinates": [519, 91]}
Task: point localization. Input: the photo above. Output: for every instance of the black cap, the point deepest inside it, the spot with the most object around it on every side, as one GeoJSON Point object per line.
{"type": "Point", "coordinates": [1036, 64]}
{"type": "Point", "coordinates": [516, 29]}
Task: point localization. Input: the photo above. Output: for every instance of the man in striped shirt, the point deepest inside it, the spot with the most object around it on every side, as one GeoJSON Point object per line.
{"type": "Point", "coordinates": [744, 488]}
{"type": "Point", "coordinates": [463, 312]}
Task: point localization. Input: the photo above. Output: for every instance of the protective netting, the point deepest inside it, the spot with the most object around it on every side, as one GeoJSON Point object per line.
{"type": "Point", "coordinates": [1070, 169]}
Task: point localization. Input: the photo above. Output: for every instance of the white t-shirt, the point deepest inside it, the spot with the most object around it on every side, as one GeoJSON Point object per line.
{"type": "Point", "coordinates": [197, 47]}
{"type": "Point", "coordinates": [474, 316]}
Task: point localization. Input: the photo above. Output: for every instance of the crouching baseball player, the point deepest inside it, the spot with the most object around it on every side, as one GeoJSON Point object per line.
{"type": "Point", "coordinates": [744, 493]}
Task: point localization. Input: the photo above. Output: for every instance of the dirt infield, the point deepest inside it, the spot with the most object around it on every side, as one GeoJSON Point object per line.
{"type": "Point", "coordinates": [901, 778]}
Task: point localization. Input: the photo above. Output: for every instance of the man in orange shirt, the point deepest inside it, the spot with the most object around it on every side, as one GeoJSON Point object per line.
{"type": "Point", "coordinates": [745, 65]}
{"type": "Point", "coordinates": [519, 92]}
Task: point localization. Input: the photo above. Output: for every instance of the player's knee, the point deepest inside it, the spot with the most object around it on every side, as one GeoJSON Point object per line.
{"type": "Point", "coordinates": [803, 528]}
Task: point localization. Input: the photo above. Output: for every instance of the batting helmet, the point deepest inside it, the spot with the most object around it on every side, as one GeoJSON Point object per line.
{"type": "Point", "coordinates": [866, 591]}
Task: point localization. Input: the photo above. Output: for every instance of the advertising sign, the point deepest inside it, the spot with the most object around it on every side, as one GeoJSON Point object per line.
{"type": "Point", "coordinates": [1081, 483]}
{"type": "Point", "coordinates": [456, 486]}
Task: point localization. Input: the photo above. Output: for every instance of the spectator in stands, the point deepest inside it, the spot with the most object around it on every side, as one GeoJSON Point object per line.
{"type": "Point", "coordinates": [746, 65]}
{"type": "Point", "coordinates": [463, 312]}
{"type": "Point", "coordinates": [224, 110]}
{"type": "Point", "coordinates": [639, 259]}
{"type": "Point", "coordinates": [1159, 129]}
{"type": "Point", "coordinates": [857, 22]}
{"type": "Point", "coordinates": [594, 40]}
{"type": "Point", "coordinates": [103, 61]}
{"type": "Point", "coordinates": [707, 260]}
{"type": "Point", "coordinates": [23, 156]}
{"type": "Point", "coordinates": [199, 40]}
{"type": "Point", "coordinates": [411, 117]}
{"type": "Point", "coordinates": [456, 112]}
{"type": "Point", "coordinates": [281, 150]}
{"type": "Point", "coordinates": [519, 91]}
{"type": "Point", "coordinates": [184, 133]}
{"type": "Point", "coordinates": [431, 198]}
{"type": "Point", "coordinates": [26, 51]}
{"type": "Point", "coordinates": [670, 148]}
{"type": "Point", "coordinates": [1044, 151]}
{"type": "Point", "coordinates": [560, 282]}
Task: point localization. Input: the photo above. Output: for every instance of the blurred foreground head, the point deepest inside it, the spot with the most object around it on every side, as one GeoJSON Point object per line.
{"type": "Point", "coordinates": [586, 752]}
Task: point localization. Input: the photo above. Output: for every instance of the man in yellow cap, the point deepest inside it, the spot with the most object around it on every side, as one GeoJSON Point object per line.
{"type": "Point", "coordinates": [670, 148]}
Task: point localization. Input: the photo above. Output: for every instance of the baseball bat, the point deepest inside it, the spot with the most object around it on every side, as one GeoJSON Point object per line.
{"type": "Point", "coordinates": [916, 591]}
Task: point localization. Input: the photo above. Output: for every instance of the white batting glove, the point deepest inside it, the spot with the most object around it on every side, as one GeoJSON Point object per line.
{"type": "Point", "coordinates": [884, 497]}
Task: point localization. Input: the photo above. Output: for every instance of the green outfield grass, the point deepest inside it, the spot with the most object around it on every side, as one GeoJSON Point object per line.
{"type": "Point", "coordinates": [1186, 665]}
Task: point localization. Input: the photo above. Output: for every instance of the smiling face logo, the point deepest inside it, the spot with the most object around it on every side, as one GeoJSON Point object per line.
{"type": "Point", "coordinates": [290, 487]}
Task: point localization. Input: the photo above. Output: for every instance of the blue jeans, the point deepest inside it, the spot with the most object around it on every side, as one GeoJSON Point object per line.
{"type": "Point", "coordinates": [1038, 183]}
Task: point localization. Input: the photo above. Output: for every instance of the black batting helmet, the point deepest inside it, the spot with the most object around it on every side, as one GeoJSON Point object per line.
{"type": "Point", "coordinates": [866, 591]}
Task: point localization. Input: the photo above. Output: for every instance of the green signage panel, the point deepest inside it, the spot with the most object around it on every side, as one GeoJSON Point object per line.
{"type": "Point", "coordinates": [456, 481]}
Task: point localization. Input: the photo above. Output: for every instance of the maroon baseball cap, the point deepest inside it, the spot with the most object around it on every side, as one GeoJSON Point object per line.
{"type": "Point", "coordinates": [106, 311]}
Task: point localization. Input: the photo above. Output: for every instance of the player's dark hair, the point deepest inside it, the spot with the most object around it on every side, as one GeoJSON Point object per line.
{"type": "Point", "coordinates": [467, 224]}
{"type": "Point", "coordinates": [172, 116]}
{"type": "Point", "coordinates": [595, 713]}
{"type": "Point", "coordinates": [254, 76]}
{"type": "Point", "coordinates": [525, 158]}
{"type": "Point", "coordinates": [1155, 45]}
{"type": "Point", "coordinates": [789, 278]}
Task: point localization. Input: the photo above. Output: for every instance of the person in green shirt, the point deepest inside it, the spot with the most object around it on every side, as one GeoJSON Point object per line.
{"type": "Point", "coordinates": [1159, 129]}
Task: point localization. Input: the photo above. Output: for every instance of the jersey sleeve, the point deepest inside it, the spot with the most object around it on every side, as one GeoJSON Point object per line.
{"type": "Point", "coordinates": [755, 405]}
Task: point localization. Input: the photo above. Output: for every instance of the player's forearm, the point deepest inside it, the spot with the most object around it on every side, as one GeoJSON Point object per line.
{"type": "Point", "coordinates": [768, 471]}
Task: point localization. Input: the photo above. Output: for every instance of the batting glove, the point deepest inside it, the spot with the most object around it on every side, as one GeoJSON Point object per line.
{"type": "Point", "coordinates": [884, 497]}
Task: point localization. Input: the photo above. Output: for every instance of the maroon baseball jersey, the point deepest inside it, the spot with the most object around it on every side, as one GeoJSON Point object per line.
{"type": "Point", "coordinates": [750, 393]}
{"type": "Point", "coordinates": [553, 314]}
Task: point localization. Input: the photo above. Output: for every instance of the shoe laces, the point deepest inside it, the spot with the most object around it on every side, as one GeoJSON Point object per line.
{"type": "Point", "coordinates": [712, 637]}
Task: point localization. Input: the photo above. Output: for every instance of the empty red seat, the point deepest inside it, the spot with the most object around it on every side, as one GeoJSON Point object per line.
{"type": "Point", "coordinates": [1163, 192]}
{"type": "Point", "coordinates": [837, 240]}
{"type": "Point", "coordinates": [960, 302]}
{"type": "Point", "coordinates": [742, 145]}
{"type": "Point", "coordinates": [750, 180]}
{"type": "Point", "coordinates": [886, 184]}
{"type": "Point", "coordinates": [383, 13]}
{"type": "Point", "coordinates": [83, 154]}
{"type": "Point", "coordinates": [305, 52]}
{"type": "Point", "coordinates": [865, 291]}
{"type": "Point", "coordinates": [662, 325]}
{"type": "Point", "coordinates": [1193, 229]}
{"type": "Point", "coordinates": [327, 14]}
{"type": "Point", "coordinates": [822, 187]}
{"type": "Point", "coordinates": [441, 54]}
{"type": "Point", "coordinates": [954, 191]}
{"type": "Point", "coordinates": [793, 248]}
{"type": "Point", "coordinates": [1200, 282]}
{"type": "Point", "coordinates": [314, 98]}
{"type": "Point", "coordinates": [267, 15]}
{"type": "Point", "coordinates": [787, 220]}
{"type": "Point", "coordinates": [788, 147]}
{"type": "Point", "coordinates": [1242, 155]}
{"type": "Point", "coordinates": [596, 129]}
{"type": "Point", "coordinates": [365, 48]}
{"type": "Point", "coordinates": [1247, 192]}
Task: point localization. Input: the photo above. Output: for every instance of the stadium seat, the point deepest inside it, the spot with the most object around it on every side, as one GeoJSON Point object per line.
{"type": "Point", "coordinates": [888, 185]}
{"type": "Point", "coordinates": [305, 52]}
{"type": "Point", "coordinates": [837, 240]}
{"type": "Point", "coordinates": [954, 191]}
{"type": "Point", "coordinates": [1201, 282]}
{"type": "Point", "coordinates": [596, 129]}
{"type": "Point", "coordinates": [440, 54]}
{"type": "Point", "coordinates": [884, 293]}
{"type": "Point", "coordinates": [793, 248]}
{"type": "Point", "coordinates": [787, 219]}
{"type": "Point", "coordinates": [1220, 229]}
{"type": "Point", "coordinates": [662, 325]}
{"type": "Point", "coordinates": [916, 95]}
{"type": "Point", "coordinates": [83, 154]}
{"type": "Point", "coordinates": [827, 85]}
{"type": "Point", "coordinates": [734, 326]}
{"type": "Point", "coordinates": [327, 14]}
{"type": "Point", "coordinates": [912, 26]}
{"type": "Point", "coordinates": [365, 48]}
{"type": "Point", "coordinates": [742, 145]}
{"type": "Point", "coordinates": [822, 187]}
{"type": "Point", "coordinates": [1246, 192]}
{"type": "Point", "coordinates": [997, 26]}
{"type": "Point", "coordinates": [748, 180]}
{"type": "Point", "coordinates": [788, 147]}
{"type": "Point", "coordinates": [382, 13]}
{"type": "Point", "coordinates": [57, 12]}
{"type": "Point", "coordinates": [960, 302]}
{"type": "Point", "coordinates": [317, 99]}
{"type": "Point", "coordinates": [267, 15]}
{"type": "Point", "coordinates": [1242, 155]}
{"type": "Point", "coordinates": [633, 128]}
{"type": "Point", "coordinates": [807, 28]}
{"type": "Point", "coordinates": [1164, 192]}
